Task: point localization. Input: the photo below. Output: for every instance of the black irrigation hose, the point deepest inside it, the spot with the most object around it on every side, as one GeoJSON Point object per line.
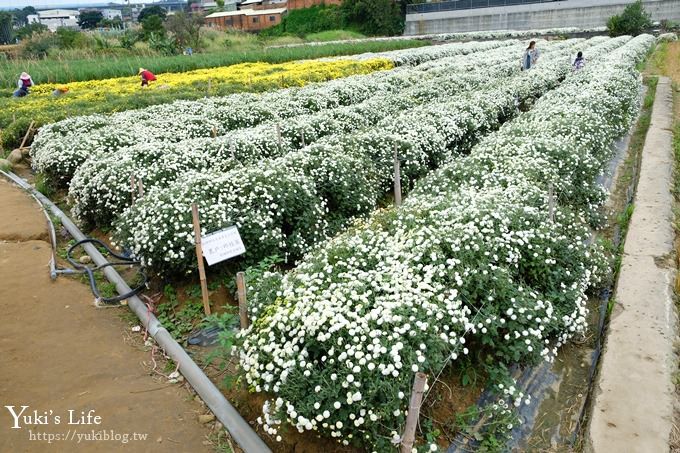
{"type": "Point", "coordinates": [89, 271]}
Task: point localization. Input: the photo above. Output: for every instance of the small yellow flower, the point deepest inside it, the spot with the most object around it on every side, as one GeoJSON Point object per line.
{"type": "Point", "coordinates": [246, 77]}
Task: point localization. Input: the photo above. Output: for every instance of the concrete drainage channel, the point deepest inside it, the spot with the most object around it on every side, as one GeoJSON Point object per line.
{"type": "Point", "coordinates": [633, 408]}
{"type": "Point", "coordinates": [237, 427]}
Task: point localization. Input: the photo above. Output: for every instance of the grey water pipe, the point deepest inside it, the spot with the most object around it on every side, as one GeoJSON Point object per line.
{"type": "Point", "coordinates": [53, 237]}
{"type": "Point", "coordinates": [54, 270]}
{"type": "Point", "coordinates": [238, 428]}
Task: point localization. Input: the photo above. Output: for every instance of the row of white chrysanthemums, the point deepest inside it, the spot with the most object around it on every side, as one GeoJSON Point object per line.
{"type": "Point", "coordinates": [472, 263]}
{"type": "Point", "coordinates": [100, 188]}
{"type": "Point", "coordinates": [60, 148]}
{"type": "Point", "coordinates": [491, 34]}
{"type": "Point", "coordinates": [287, 204]}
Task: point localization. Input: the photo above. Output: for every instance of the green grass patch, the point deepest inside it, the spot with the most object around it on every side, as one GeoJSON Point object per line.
{"type": "Point", "coordinates": [43, 186]}
{"type": "Point", "coordinates": [334, 35]}
{"type": "Point", "coordinates": [676, 152]}
{"type": "Point", "coordinates": [180, 318]}
{"type": "Point", "coordinates": [656, 63]}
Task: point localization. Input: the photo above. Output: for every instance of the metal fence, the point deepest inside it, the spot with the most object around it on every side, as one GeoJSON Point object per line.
{"type": "Point", "coordinates": [467, 4]}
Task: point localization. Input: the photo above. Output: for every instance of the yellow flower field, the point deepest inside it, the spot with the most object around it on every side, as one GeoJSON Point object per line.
{"type": "Point", "coordinates": [246, 76]}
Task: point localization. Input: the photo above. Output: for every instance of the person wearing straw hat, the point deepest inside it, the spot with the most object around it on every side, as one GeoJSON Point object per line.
{"type": "Point", "coordinates": [147, 76]}
{"type": "Point", "coordinates": [24, 83]}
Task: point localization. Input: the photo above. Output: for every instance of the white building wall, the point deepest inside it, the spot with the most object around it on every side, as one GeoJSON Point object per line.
{"type": "Point", "coordinates": [569, 13]}
{"type": "Point", "coordinates": [54, 23]}
{"type": "Point", "coordinates": [56, 18]}
{"type": "Point", "coordinates": [111, 14]}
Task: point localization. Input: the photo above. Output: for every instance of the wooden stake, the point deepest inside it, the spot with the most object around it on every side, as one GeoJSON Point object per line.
{"type": "Point", "coordinates": [242, 302]}
{"type": "Point", "coordinates": [409, 436]}
{"type": "Point", "coordinates": [209, 85]}
{"type": "Point", "coordinates": [302, 134]}
{"type": "Point", "coordinates": [397, 178]}
{"type": "Point", "coordinates": [140, 186]}
{"type": "Point", "coordinates": [132, 189]}
{"type": "Point", "coordinates": [278, 133]}
{"type": "Point", "coordinates": [214, 132]}
{"type": "Point", "coordinates": [28, 132]}
{"type": "Point", "coordinates": [551, 203]}
{"type": "Point", "coordinates": [199, 257]}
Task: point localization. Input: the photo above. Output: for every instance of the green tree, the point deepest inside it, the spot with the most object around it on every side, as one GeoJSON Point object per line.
{"type": "Point", "coordinates": [374, 17]}
{"type": "Point", "coordinates": [151, 11]}
{"type": "Point", "coordinates": [68, 38]}
{"type": "Point", "coordinates": [152, 25]}
{"type": "Point", "coordinates": [90, 19]}
{"type": "Point", "coordinates": [185, 28]}
{"type": "Point", "coordinates": [5, 27]}
{"type": "Point", "coordinates": [21, 15]}
{"type": "Point", "coordinates": [116, 22]}
{"type": "Point", "coordinates": [634, 20]}
{"type": "Point", "coordinates": [128, 39]}
{"type": "Point", "coordinates": [29, 30]}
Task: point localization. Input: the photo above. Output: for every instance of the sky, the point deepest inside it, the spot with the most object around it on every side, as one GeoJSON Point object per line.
{"type": "Point", "coordinates": [11, 4]}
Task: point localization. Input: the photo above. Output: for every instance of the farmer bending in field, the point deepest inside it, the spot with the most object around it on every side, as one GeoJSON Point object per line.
{"type": "Point", "coordinates": [60, 91]}
{"type": "Point", "coordinates": [147, 76]}
{"type": "Point", "coordinates": [530, 56]}
{"type": "Point", "coordinates": [24, 83]}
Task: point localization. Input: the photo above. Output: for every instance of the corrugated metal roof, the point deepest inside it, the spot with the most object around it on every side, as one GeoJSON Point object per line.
{"type": "Point", "coordinates": [57, 12]}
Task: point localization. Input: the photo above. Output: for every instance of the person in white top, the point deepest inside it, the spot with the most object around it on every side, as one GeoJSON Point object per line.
{"type": "Point", "coordinates": [24, 83]}
{"type": "Point", "coordinates": [530, 56]}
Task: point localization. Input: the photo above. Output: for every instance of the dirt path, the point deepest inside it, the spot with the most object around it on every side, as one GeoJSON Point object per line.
{"type": "Point", "coordinates": [633, 408]}
{"type": "Point", "coordinates": [59, 353]}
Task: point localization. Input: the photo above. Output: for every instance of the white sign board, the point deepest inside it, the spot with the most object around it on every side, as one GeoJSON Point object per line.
{"type": "Point", "coordinates": [222, 245]}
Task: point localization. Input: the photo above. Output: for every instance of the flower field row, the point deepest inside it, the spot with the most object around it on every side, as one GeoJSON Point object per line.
{"type": "Point", "coordinates": [287, 204]}
{"type": "Point", "coordinates": [100, 187]}
{"type": "Point", "coordinates": [409, 57]}
{"type": "Point", "coordinates": [97, 97]}
{"type": "Point", "coordinates": [474, 263]}
{"type": "Point", "coordinates": [297, 73]}
{"type": "Point", "coordinates": [61, 147]}
{"type": "Point", "coordinates": [475, 35]}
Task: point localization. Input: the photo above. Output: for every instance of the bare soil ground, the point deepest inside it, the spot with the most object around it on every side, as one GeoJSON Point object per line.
{"type": "Point", "coordinates": [59, 353]}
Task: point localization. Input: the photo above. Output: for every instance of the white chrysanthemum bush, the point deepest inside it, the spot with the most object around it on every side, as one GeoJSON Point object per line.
{"type": "Point", "coordinates": [474, 263]}
{"type": "Point", "coordinates": [425, 137]}
{"type": "Point", "coordinates": [59, 149]}
{"type": "Point", "coordinates": [100, 188]}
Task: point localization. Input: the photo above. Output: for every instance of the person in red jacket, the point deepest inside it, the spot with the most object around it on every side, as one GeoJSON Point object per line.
{"type": "Point", "coordinates": [147, 76]}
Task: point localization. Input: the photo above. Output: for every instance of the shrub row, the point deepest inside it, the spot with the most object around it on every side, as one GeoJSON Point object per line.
{"type": "Point", "coordinates": [158, 228]}
{"type": "Point", "coordinates": [60, 148]}
{"type": "Point", "coordinates": [100, 188]}
{"type": "Point", "coordinates": [471, 264]}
